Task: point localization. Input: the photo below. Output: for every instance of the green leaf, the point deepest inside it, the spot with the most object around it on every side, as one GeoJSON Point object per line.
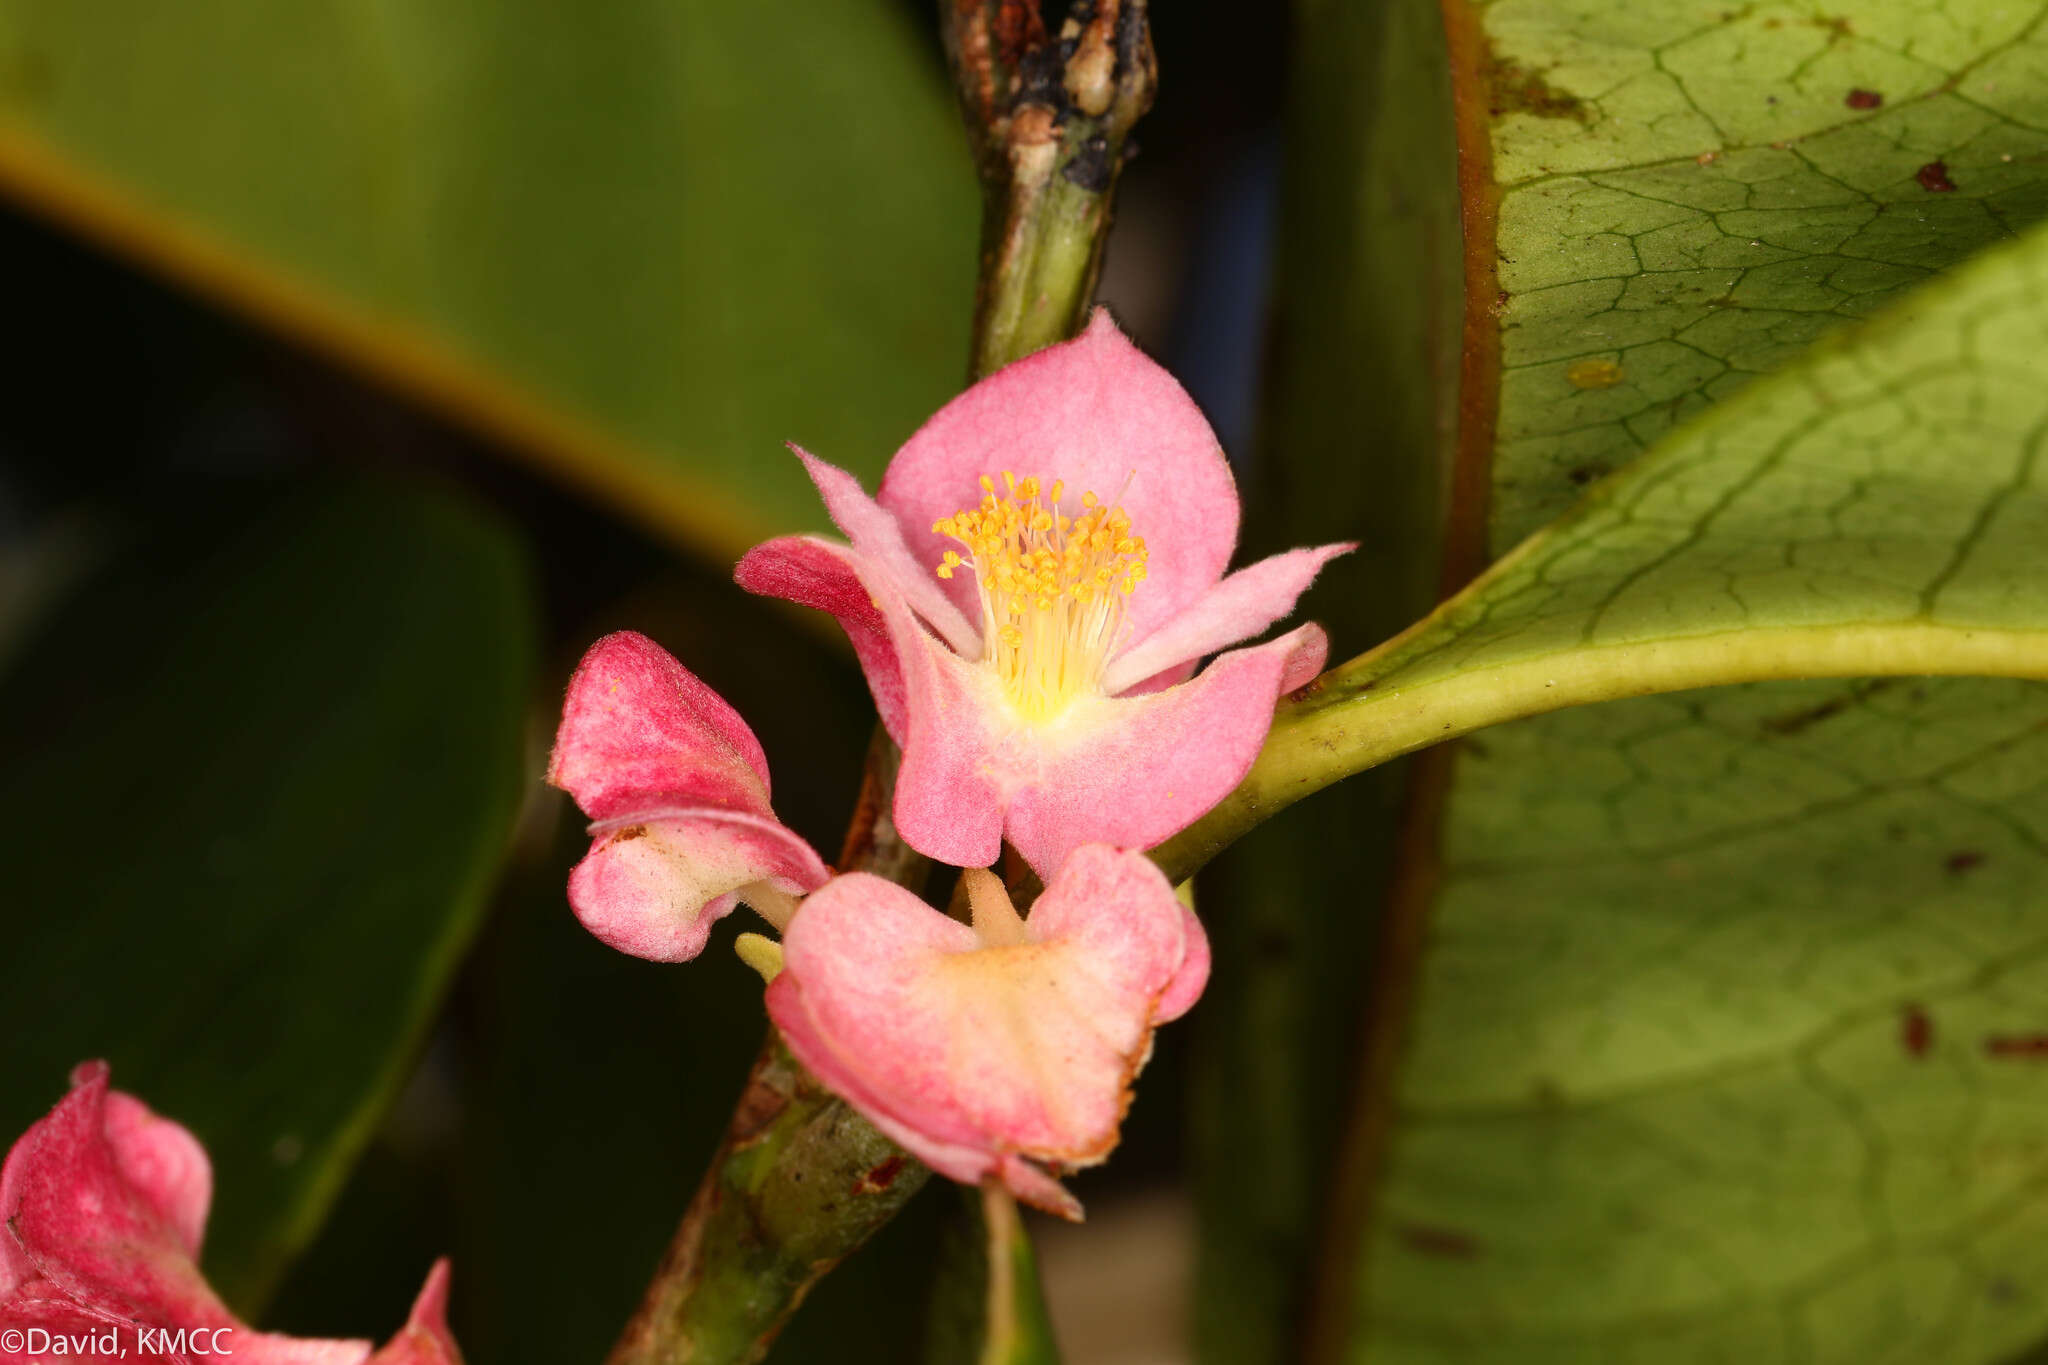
{"type": "Point", "coordinates": [1877, 509]}
{"type": "Point", "coordinates": [1710, 1034]}
{"type": "Point", "coordinates": [260, 777]}
{"type": "Point", "coordinates": [1613, 290]}
{"type": "Point", "coordinates": [643, 246]}
{"type": "Point", "coordinates": [1666, 200]}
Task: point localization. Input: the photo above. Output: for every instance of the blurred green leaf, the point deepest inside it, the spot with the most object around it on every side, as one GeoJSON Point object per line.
{"type": "Point", "coordinates": [260, 776]}
{"type": "Point", "coordinates": [644, 243]}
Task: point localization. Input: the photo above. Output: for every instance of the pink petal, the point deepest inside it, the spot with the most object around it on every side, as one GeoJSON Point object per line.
{"type": "Point", "coordinates": [937, 707]}
{"type": "Point", "coordinates": [425, 1338]}
{"type": "Point", "coordinates": [1136, 771]}
{"type": "Point", "coordinates": [1187, 984]}
{"type": "Point", "coordinates": [639, 730]}
{"type": "Point", "coordinates": [160, 1160]}
{"type": "Point", "coordinates": [879, 542]}
{"type": "Point", "coordinates": [80, 1224]}
{"type": "Point", "coordinates": [678, 789]}
{"type": "Point", "coordinates": [269, 1348]}
{"type": "Point", "coordinates": [818, 573]}
{"type": "Point", "coordinates": [1094, 412]}
{"type": "Point", "coordinates": [1311, 651]}
{"type": "Point", "coordinates": [950, 796]}
{"type": "Point", "coordinates": [987, 1060]}
{"type": "Point", "coordinates": [1237, 608]}
{"type": "Point", "coordinates": [103, 1206]}
{"type": "Point", "coordinates": [653, 887]}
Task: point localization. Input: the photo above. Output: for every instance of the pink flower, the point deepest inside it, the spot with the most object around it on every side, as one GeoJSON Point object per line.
{"type": "Point", "coordinates": [102, 1209]}
{"type": "Point", "coordinates": [676, 787]}
{"type": "Point", "coordinates": [1004, 1048]}
{"type": "Point", "coordinates": [1030, 644]}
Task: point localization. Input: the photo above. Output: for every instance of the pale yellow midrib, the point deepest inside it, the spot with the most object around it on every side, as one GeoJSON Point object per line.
{"type": "Point", "coordinates": [1360, 732]}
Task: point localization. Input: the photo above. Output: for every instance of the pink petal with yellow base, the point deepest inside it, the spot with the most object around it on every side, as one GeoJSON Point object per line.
{"type": "Point", "coordinates": [1131, 771]}
{"type": "Point", "coordinates": [104, 1206]}
{"type": "Point", "coordinates": [1002, 1050]}
{"type": "Point", "coordinates": [1095, 413]}
{"type": "Point", "coordinates": [676, 786]}
{"type": "Point", "coordinates": [1046, 695]}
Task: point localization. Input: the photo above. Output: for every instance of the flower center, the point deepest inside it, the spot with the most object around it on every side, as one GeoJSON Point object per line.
{"type": "Point", "coordinates": [1052, 587]}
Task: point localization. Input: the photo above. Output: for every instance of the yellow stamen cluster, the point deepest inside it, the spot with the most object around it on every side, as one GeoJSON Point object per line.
{"type": "Point", "coordinates": [1052, 586]}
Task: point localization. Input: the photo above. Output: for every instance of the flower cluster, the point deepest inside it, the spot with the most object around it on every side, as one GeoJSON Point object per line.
{"type": "Point", "coordinates": [1029, 595]}
{"type": "Point", "coordinates": [102, 1210]}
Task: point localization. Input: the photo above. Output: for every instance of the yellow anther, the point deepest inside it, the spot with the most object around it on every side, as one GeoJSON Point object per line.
{"type": "Point", "coordinates": [1051, 586]}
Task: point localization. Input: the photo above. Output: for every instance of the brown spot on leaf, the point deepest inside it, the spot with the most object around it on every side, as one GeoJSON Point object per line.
{"type": "Point", "coordinates": [1514, 89]}
{"type": "Point", "coordinates": [1961, 861]}
{"type": "Point", "coordinates": [1792, 722]}
{"type": "Point", "coordinates": [1916, 1031]}
{"type": "Point", "coordinates": [1445, 1243]}
{"type": "Point", "coordinates": [1796, 721]}
{"type": "Point", "coordinates": [1593, 374]}
{"type": "Point", "coordinates": [880, 1177]}
{"type": "Point", "coordinates": [1933, 178]}
{"type": "Point", "coordinates": [1864, 99]}
{"type": "Point", "coordinates": [1581, 475]}
{"type": "Point", "coordinates": [2017, 1046]}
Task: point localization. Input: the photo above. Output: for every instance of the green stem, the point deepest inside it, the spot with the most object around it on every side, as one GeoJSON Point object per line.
{"type": "Point", "coordinates": [799, 1182]}
{"type": "Point", "coordinates": [1049, 112]}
